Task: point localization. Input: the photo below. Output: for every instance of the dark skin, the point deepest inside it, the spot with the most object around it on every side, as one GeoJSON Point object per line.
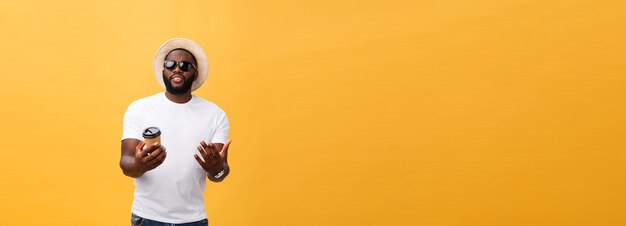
{"type": "Point", "coordinates": [137, 160]}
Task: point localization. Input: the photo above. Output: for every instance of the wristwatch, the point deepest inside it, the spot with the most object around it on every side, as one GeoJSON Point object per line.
{"type": "Point", "coordinates": [218, 175]}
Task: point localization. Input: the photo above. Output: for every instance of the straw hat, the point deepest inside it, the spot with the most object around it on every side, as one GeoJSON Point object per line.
{"type": "Point", "coordinates": [193, 48]}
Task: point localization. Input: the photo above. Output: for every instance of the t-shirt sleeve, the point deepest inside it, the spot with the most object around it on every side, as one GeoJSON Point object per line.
{"type": "Point", "coordinates": [223, 127]}
{"type": "Point", "coordinates": [132, 128]}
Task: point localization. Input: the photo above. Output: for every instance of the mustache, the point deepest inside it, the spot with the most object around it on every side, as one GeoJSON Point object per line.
{"type": "Point", "coordinates": [179, 75]}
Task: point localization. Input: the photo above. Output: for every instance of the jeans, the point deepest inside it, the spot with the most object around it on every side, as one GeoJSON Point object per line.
{"type": "Point", "coordinates": [140, 221]}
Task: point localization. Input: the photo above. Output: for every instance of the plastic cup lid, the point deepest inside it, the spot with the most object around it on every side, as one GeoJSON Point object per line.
{"type": "Point", "coordinates": [151, 132]}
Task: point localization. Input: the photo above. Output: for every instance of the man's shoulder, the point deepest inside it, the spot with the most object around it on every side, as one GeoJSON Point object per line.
{"type": "Point", "coordinates": [207, 104]}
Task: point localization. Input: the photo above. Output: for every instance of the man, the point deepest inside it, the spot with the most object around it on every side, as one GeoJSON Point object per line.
{"type": "Point", "coordinates": [170, 176]}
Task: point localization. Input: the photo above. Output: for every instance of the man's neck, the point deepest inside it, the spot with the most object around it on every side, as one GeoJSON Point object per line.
{"type": "Point", "coordinates": [180, 99]}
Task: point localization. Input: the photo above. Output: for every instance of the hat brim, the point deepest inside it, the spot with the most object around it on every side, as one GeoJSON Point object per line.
{"type": "Point", "coordinates": [193, 48]}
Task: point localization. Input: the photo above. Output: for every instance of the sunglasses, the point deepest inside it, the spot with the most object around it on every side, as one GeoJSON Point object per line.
{"type": "Point", "coordinates": [183, 65]}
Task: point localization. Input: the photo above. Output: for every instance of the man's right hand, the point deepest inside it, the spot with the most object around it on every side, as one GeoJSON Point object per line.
{"type": "Point", "coordinates": [150, 157]}
{"type": "Point", "coordinates": [137, 160]}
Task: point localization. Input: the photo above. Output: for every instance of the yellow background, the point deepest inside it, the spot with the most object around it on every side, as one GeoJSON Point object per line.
{"type": "Point", "coordinates": [342, 112]}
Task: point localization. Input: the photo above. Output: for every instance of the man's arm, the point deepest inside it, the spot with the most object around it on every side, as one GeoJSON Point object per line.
{"type": "Point", "coordinates": [135, 160]}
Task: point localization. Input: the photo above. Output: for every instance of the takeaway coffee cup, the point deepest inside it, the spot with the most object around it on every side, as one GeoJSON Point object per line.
{"type": "Point", "coordinates": [151, 135]}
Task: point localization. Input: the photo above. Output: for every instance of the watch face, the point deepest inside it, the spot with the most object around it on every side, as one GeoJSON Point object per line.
{"type": "Point", "coordinates": [220, 174]}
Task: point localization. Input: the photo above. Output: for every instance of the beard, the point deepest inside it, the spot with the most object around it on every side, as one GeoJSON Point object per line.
{"type": "Point", "coordinates": [184, 88]}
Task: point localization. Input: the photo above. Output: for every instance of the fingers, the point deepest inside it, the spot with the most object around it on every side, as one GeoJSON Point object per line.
{"type": "Point", "coordinates": [198, 159]}
{"type": "Point", "coordinates": [211, 150]}
{"type": "Point", "coordinates": [151, 156]}
{"type": "Point", "coordinates": [159, 159]}
{"type": "Point", "coordinates": [139, 152]}
{"type": "Point", "coordinates": [153, 147]}
{"type": "Point", "coordinates": [207, 147]}
{"type": "Point", "coordinates": [205, 155]}
{"type": "Point", "coordinates": [140, 145]}
{"type": "Point", "coordinates": [154, 154]}
{"type": "Point", "coordinates": [202, 163]}
{"type": "Point", "coordinates": [204, 145]}
{"type": "Point", "coordinates": [224, 151]}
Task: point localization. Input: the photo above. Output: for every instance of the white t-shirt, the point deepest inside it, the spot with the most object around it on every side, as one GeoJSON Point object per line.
{"type": "Point", "coordinates": [172, 192]}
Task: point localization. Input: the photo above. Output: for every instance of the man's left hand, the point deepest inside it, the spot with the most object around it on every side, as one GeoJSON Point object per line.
{"type": "Point", "coordinates": [213, 160]}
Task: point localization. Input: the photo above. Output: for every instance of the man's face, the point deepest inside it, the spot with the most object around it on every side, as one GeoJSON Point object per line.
{"type": "Point", "coordinates": [177, 81]}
